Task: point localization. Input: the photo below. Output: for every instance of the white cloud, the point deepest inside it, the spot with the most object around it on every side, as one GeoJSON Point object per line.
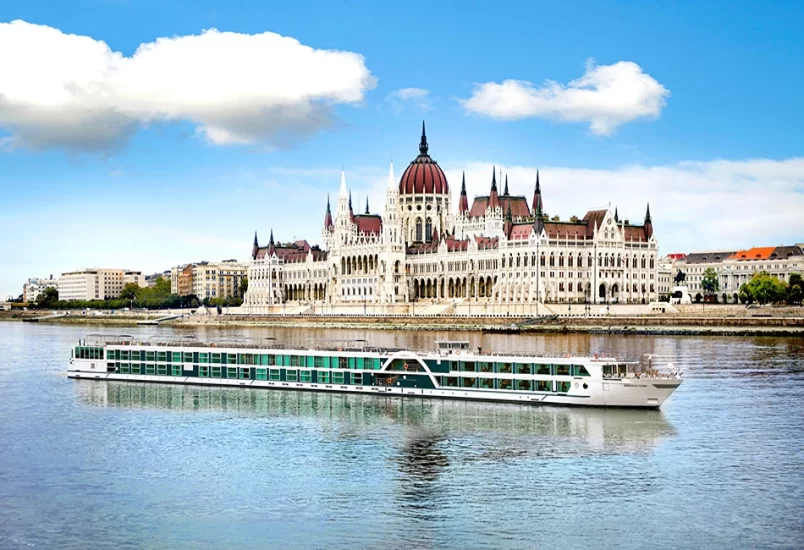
{"type": "Point", "coordinates": [71, 91]}
{"type": "Point", "coordinates": [606, 96]}
{"type": "Point", "coordinates": [415, 97]}
{"type": "Point", "coordinates": [711, 205]}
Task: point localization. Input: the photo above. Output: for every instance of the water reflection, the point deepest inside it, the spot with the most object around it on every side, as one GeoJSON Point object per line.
{"type": "Point", "coordinates": [545, 432]}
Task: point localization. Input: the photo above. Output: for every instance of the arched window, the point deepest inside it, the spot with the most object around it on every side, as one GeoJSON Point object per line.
{"type": "Point", "coordinates": [552, 260]}
{"type": "Point", "coordinates": [569, 264]}
{"type": "Point", "coordinates": [651, 263]}
{"type": "Point", "coordinates": [419, 229]}
{"type": "Point", "coordinates": [428, 230]}
{"type": "Point", "coordinates": [541, 261]}
{"type": "Point", "coordinates": [561, 260]}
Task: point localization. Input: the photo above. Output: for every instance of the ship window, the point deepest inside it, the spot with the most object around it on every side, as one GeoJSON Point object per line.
{"type": "Point", "coordinates": [562, 370]}
{"type": "Point", "coordinates": [377, 363]}
{"type": "Point", "coordinates": [351, 362]}
{"type": "Point", "coordinates": [216, 358]}
{"type": "Point", "coordinates": [135, 368]}
{"type": "Point", "coordinates": [454, 366]}
{"type": "Point", "coordinates": [245, 359]}
{"type": "Point", "coordinates": [291, 375]}
{"type": "Point", "coordinates": [176, 369]}
{"type": "Point", "coordinates": [543, 369]}
{"type": "Point", "coordinates": [318, 362]}
{"type": "Point", "coordinates": [216, 372]}
{"type": "Point", "coordinates": [469, 366]}
{"type": "Point", "coordinates": [523, 385]}
{"type": "Point", "coordinates": [245, 374]}
{"type": "Point", "coordinates": [323, 377]}
{"type": "Point", "coordinates": [504, 384]}
{"type": "Point", "coordinates": [124, 355]}
{"type": "Point", "coordinates": [487, 383]}
{"type": "Point", "coordinates": [544, 385]}
{"type": "Point", "coordinates": [469, 382]}
{"type": "Point", "coordinates": [125, 368]}
{"type": "Point", "coordinates": [450, 381]}
{"type": "Point", "coordinates": [202, 357]}
{"type": "Point", "coordinates": [161, 356]}
{"type": "Point", "coordinates": [150, 368]}
{"type": "Point", "coordinates": [357, 378]}
{"type": "Point", "coordinates": [150, 356]}
{"type": "Point", "coordinates": [579, 370]}
{"type": "Point", "coordinates": [306, 376]}
{"type": "Point", "coordinates": [274, 374]}
{"type": "Point", "coordinates": [203, 371]}
{"type": "Point", "coordinates": [232, 358]}
{"type": "Point", "coordinates": [109, 354]}
{"type": "Point", "coordinates": [262, 374]}
{"type": "Point", "coordinates": [231, 372]}
{"type": "Point", "coordinates": [343, 363]}
{"type": "Point", "coordinates": [523, 368]}
{"type": "Point", "coordinates": [563, 387]}
{"type": "Point", "coordinates": [337, 377]}
{"type": "Point", "coordinates": [504, 367]}
{"type": "Point", "coordinates": [485, 367]}
{"type": "Point", "coordinates": [161, 370]}
{"type": "Point", "coordinates": [177, 357]}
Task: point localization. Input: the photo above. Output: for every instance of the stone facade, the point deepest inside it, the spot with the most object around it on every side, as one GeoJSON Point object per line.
{"type": "Point", "coordinates": [34, 287]}
{"type": "Point", "coordinates": [501, 251]}
{"type": "Point", "coordinates": [737, 267]}
{"type": "Point", "coordinates": [97, 284]}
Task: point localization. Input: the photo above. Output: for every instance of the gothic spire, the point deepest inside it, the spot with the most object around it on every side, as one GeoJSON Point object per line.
{"type": "Point", "coordinates": [391, 181]}
{"type": "Point", "coordinates": [367, 207]}
{"type": "Point", "coordinates": [423, 143]}
{"type": "Point", "coordinates": [616, 215]}
{"type": "Point", "coordinates": [271, 240]}
{"type": "Point", "coordinates": [342, 192]}
{"type": "Point", "coordinates": [255, 248]}
{"type": "Point", "coordinates": [505, 191]}
{"type": "Point", "coordinates": [463, 202]}
{"type": "Point", "coordinates": [648, 223]}
{"type": "Point", "coordinates": [328, 216]}
{"type": "Point", "coordinates": [538, 205]}
{"type": "Point", "coordinates": [494, 201]}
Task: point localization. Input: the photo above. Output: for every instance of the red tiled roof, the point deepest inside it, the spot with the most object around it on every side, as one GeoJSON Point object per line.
{"type": "Point", "coordinates": [519, 206]}
{"type": "Point", "coordinates": [521, 231]}
{"type": "Point", "coordinates": [484, 243]}
{"type": "Point", "coordinates": [756, 253]}
{"type": "Point", "coordinates": [565, 230]}
{"type": "Point", "coordinates": [590, 218]}
{"type": "Point", "coordinates": [368, 224]}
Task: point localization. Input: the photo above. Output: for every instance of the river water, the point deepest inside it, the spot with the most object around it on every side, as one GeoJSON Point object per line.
{"type": "Point", "coordinates": [123, 465]}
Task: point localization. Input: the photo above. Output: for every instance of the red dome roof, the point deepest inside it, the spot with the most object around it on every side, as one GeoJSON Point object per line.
{"type": "Point", "coordinates": [423, 175]}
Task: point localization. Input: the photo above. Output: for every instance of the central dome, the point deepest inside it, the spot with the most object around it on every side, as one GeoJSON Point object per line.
{"type": "Point", "coordinates": [423, 175]}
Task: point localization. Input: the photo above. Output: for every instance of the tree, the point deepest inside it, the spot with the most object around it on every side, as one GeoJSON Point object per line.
{"type": "Point", "coordinates": [130, 291]}
{"type": "Point", "coordinates": [795, 289]}
{"type": "Point", "coordinates": [48, 298]}
{"type": "Point", "coordinates": [765, 288]}
{"type": "Point", "coordinates": [243, 286]}
{"type": "Point", "coordinates": [709, 282]}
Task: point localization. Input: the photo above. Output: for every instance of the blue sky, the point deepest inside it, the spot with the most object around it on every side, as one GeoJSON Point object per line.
{"type": "Point", "coordinates": [703, 119]}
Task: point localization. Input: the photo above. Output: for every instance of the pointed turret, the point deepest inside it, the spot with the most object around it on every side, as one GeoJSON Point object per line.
{"type": "Point", "coordinates": [494, 200]}
{"type": "Point", "coordinates": [255, 247]}
{"type": "Point", "coordinates": [351, 212]}
{"type": "Point", "coordinates": [505, 191]}
{"type": "Point", "coordinates": [423, 143]}
{"type": "Point", "coordinates": [391, 181]}
{"type": "Point", "coordinates": [271, 239]}
{"type": "Point", "coordinates": [367, 207]}
{"type": "Point", "coordinates": [435, 235]}
{"type": "Point", "coordinates": [342, 192]}
{"type": "Point", "coordinates": [463, 202]}
{"type": "Point", "coordinates": [648, 223]}
{"type": "Point", "coordinates": [616, 215]}
{"type": "Point", "coordinates": [538, 206]}
{"type": "Point", "coordinates": [509, 224]}
{"type": "Point", "coordinates": [328, 216]}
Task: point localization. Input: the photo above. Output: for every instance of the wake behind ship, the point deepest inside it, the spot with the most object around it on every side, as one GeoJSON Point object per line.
{"type": "Point", "coordinates": [451, 371]}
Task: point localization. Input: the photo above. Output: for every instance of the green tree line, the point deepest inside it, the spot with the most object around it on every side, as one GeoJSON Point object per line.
{"type": "Point", "coordinates": [764, 288]}
{"type": "Point", "coordinates": [135, 296]}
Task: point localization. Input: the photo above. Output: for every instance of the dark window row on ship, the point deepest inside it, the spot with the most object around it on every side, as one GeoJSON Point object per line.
{"type": "Point", "coordinates": [332, 377]}
{"type": "Point", "coordinates": [326, 362]}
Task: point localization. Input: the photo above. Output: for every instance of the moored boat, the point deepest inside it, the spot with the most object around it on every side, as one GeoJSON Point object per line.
{"type": "Point", "coordinates": [452, 370]}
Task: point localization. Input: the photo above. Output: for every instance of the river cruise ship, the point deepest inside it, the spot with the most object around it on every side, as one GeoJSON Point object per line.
{"type": "Point", "coordinates": [451, 370]}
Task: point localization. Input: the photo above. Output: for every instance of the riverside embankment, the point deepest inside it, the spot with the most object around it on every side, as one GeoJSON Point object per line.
{"type": "Point", "coordinates": [736, 322]}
